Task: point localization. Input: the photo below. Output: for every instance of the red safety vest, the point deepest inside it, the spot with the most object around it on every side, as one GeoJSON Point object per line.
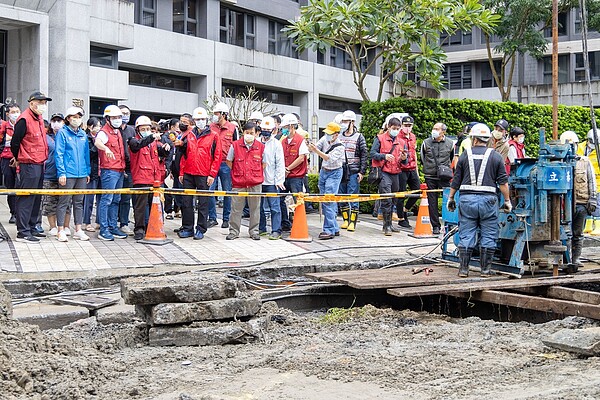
{"type": "Point", "coordinates": [225, 133]}
{"type": "Point", "coordinates": [115, 144]}
{"type": "Point", "coordinates": [200, 159]}
{"type": "Point", "coordinates": [246, 169]}
{"type": "Point", "coordinates": [6, 133]}
{"type": "Point", "coordinates": [410, 146]}
{"type": "Point", "coordinates": [518, 147]}
{"type": "Point", "coordinates": [385, 146]}
{"type": "Point", "coordinates": [34, 148]}
{"type": "Point", "coordinates": [291, 151]}
{"type": "Point", "coordinates": [146, 166]}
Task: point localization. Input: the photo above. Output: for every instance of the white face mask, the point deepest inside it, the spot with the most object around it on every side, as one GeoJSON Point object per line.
{"type": "Point", "coordinates": [41, 108]}
{"type": "Point", "coordinates": [75, 122]}
{"type": "Point", "coordinates": [394, 132]}
{"type": "Point", "coordinates": [344, 127]}
{"type": "Point", "coordinates": [521, 139]}
{"type": "Point", "coordinates": [116, 123]}
{"type": "Point", "coordinates": [201, 123]}
{"type": "Point", "coordinates": [214, 119]}
{"type": "Point", "coordinates": [435, 134]}
{"type": "Point", "coordinates": [96, 129]}
{"type": "Point", "coordinates": [497, 134]}
{"type": "Point", "coordinates": [56, 125]}
{"type": "Point", "coordinates": [248, 138]}
{"type": "Point", "coordinates": [13, 116]}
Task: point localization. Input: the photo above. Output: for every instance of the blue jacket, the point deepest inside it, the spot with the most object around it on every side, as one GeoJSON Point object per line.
{"type": "Point", "coordinates": [72, 154]}
{"type": "Point", "coordinates": [50, 166]}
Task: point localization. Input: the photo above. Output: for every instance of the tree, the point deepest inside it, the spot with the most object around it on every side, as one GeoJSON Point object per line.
{"type": "Point", "coordinates": [387, 36]}
{"type": "Point", "coordinates": [241, 103]}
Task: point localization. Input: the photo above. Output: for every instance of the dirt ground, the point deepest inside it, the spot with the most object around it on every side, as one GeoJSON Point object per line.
{"type": "Point", "coordinates": [376, 354]}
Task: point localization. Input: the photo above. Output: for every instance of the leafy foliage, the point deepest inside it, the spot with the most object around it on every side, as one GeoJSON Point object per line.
{"type": "Point", "coordinates": [241, 105]}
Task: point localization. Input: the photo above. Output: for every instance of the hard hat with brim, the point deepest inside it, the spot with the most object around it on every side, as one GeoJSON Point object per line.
{"type": "Point", "coordinates": [38, 96]}
{"type": "Point", "coordinates": [332, 128]}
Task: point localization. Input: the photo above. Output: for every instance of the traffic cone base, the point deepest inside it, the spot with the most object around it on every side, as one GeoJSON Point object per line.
{"type": "Point", "coordinates": [155, 232]}
{"type": "Point", "coordinates": [299, 231]}
{"type": "Point", "coordinates": [423, 227]}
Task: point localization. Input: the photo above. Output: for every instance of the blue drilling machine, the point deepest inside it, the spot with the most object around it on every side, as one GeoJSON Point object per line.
{"type": "Point", "coordinates": [535, 235]}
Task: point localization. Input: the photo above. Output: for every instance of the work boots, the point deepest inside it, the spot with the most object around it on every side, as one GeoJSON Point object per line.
{"type": "Point", "coordinates": [486, 256]}
{"type": "Point", "coordinates": [352, 222]}
{"type": "Point", "coordinates": [387, 224]}
{"type": "Point", "coordinates": [345, 210]}
{"type": "Point", "coordinates": [464, 256]}
{"type": "Point", "coordinates": [576, 247]}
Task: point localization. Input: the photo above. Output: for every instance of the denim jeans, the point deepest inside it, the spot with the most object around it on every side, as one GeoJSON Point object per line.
{"type": "Point", "coordinates": [272, 205]}
{"type": "Point", "coordinates": [292, 185]}
{"type": "Point", "coordinates": [88, 201]}
{"type": "Point", "coordinates": [352, 186]}
{"type": "Point", "coordinates": [329, 183]}
{"type": "Point", "coordinates": [225, 177]}
{"type": "Point", "coordinates": [108, 208]}
{"type": "Point", "coordinates": [478, 215]}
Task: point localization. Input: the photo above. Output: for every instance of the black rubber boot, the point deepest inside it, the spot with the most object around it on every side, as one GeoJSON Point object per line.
{"type": "Point", "coordinates": [486, 256]}
{"type": "Point", "coordinates": [464, 256]}
{"type": "Point", "coordinates": [576, 247]}
{"type": "Point", "coordinates": [387, 224]}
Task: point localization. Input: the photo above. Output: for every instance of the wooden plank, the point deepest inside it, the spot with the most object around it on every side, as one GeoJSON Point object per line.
{"type": "Point", "coordinates": [483, 284]}
{"type": "Point", "coordinates": [581, 296]}
{"type": "Point", "coordinates": [563, 307]}
{"type": "Point", "coordinates": [395, 277]}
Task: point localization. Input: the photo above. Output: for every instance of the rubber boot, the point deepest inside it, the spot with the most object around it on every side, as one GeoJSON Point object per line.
{"type": "Point", "coordinates": [576, 247]}
{"type": "Point", "coordinates": [464, 256]}
{"type": "Point", "coordinates": [596, 231]}
{"type": "Point", "coordinates": [353, 219]}
{"type": "Point", "coordinates": [486, 256]}
{"type": "Point", "coordinates": [387, 224]}
{"type": "Point", "coordinates": [346, 216]}
{"type": "Point", "coordinates": [589, 225]}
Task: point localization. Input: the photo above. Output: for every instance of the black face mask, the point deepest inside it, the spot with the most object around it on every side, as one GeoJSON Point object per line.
{"type": "Point", "coordinates": [183, 127]}
{"type": "Point", "coordinates": [265, 134]}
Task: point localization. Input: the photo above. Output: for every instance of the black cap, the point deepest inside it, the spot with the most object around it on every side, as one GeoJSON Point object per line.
{"type": "Point", "coordinates": [408, 120]}
{"type": "Point", "coordinates": [38, 96]}
{"type": "Point", "coordinates": [516, 131]}
{"type": "Point", "coordinates": [502, 123]}
{"type": "Point", "coordinates": [57, 115]}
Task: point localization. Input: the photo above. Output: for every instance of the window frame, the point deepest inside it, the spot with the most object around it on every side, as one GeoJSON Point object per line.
{"type": "Point", "coordinates": [140, 9]}
{"type": "Point", "coordinates": [230, 27]}
{"type": "Point", "coordinates": [186, 18]}
{"type": "Point", "coordinates": [114, 54]}
{"type": "Point", "coordinates": [269, 95]}
{"type": "Point", "coordinates": [448, 70]}
{"type": "Point", "coordinates": [154, 79]}
{"type": "Point", "coordinates": [461, 35]}
{"type": "Point", "coordinates": [278, 38]}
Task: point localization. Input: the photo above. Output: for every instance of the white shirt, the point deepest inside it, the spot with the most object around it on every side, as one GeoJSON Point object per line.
{"type": "Point", "coordinates": [102, 137]}
{"type": "Point", "coordinates": [274, 171]}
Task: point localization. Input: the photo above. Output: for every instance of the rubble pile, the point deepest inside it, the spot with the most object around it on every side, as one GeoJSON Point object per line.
{"type": "Point", "coordinates": [194, 309]}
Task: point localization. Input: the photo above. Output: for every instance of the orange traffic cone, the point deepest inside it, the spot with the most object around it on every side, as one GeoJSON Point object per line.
{"type": "Point", "coordinates": [299, 231]}
{"type": "Point", "coordinates": [155, 232]}
{"type": "Point", "coordinates": [423, 227]}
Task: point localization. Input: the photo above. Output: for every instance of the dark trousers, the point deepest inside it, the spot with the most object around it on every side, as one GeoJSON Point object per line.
{"type": "Point", "coordinates": [173, 201]}
{"type": "Point", "coordinates": [390, 183]}
{"type": "Point", "coordinates": [125, 202]}
{"type": "Point", "coordinates": [432, 199]}
{"type": "Point", "coordinates": [578, 223]}
{"type": "Point", "coordinates": [187, 208]}
{"type": "Point", "coordinates": [292, 185]}
{"type": "Point", "coordinates": [141, 203]}
{"type": "Point", "coordinates": [9, 175]}
{"type": "Point", "coordinates": [31, 176]}
{"type": "Point", "coordinates": [408, 179]}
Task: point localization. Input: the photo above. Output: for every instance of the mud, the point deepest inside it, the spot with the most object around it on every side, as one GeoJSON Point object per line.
{"type": "Point", "coordinates": [367, 353]}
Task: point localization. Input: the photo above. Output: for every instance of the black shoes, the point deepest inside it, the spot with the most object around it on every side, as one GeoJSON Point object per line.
{"type": "Point", "coordinates": [212, 223]}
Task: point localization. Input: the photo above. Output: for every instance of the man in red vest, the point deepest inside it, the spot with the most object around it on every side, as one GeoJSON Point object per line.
{"type": "Point", "coordinates": [30, 152]}
{"type": "Point", "coordinates": [246, 160]}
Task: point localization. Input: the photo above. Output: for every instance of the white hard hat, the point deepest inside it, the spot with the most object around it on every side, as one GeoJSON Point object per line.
{"type": "Point", "coordinates": [349, 115]}
{"type": "Point", "coordinates": [338, 119]}
{"type": "Point", "coordinates": [267, 124]}
{"type": "Point", "coordinates": [481, 131]}
{"type": "Point", "coordinates": [74, 111]}
{"type": "Point", "coordinates": [394, 115]}
{"type": "Point", "coordinates": [256, 115]}
{"type": "Point", "coordinates": [199, 113]}
{"type": "Point", "coordinates": [143, 121]}
{"type": "Point", "coordinates": [221, 107]}
{"type": "Point", "coordinates": [569, 136]}
{"type": "Point", "coordinates": [113, 111]}
{"type": "Point", "coordinates": [289, 119]}
{"type": "Point", "coordinates": [590, 135]}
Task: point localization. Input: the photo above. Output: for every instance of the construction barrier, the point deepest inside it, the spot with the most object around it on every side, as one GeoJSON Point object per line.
{"type": "Point", "coordinates": [423, 227]}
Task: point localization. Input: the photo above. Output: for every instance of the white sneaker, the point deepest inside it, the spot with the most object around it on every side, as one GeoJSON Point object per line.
{"type": "Point", "coordinates": [80, 234]}
{"type": "Point", "coordinates": [126, 229]}
{"type": "Point", "coordinates": [62, 236]}
{"type": "Point", "coordinates": [67, 231]}
{"type": "Point", "coordinates": [53, 232]}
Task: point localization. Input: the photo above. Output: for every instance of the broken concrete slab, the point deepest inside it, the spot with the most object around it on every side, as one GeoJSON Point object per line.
{"type": "Point", "coordinates": [581, 341]}
{"type": "Point", "coordinates": [186, 288]}
{"type": "Point", "coordinates": [208, 334]}
{"type": "Point", "coordinates": [118, 314]}
{"type": "Point", "coordinates": [49, 316]}
{"type": "Point", "coordinates": [6, 309]}
{"type": "Point", "coordinates": [180, 313]}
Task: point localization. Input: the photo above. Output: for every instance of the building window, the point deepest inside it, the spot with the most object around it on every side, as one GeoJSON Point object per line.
{"type": "Point", "coordinates": [458, 76]}
{"type": "Point", "coordinates": [328, 104]}
{"type": "Point", "coordinates": [594, 58]}
{"type": "Point", "coordinates": [563, 21]}
{"type": "Point", "coordinates": [320, 57]}
{"type": "Point", "coordinates": [563, 69]}
{"type": "Point", "coordinates": [237, 28]}
{"type": "Point", "coordinates": [339, 58]}
{"type": "Point", "coordinates": [145, 12]}
{"type": "Point", "coordinates": [458, 38]}
{"type": "Point", "coordinates": [487, 78]}
{"type": "Point", "coordinates": [101, 57]}
{"type": "Point", "coordinates": [268, 95]}
{"type": "Point", "coordinates": [280, 44]}
{"type": "Point", "coordinates": [97, 106]}
{"type": "Point", "coordinates": [158, 80]}
{"type": "Point", "coordinates": [184, 17]}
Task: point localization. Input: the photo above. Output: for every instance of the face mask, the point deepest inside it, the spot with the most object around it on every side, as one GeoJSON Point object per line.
{"type": "Point", "coordinates": [406, 129]}
{"type": "Point", "coordinates": [96, 129]}
{"type": "Point", "coordinates": [435, 134]}
{"type": "Point", "coordinates": [497, 134]}
{"type": "Point", "coordinates": [41, 108]}
{"type": "Point", "coordinates": [116, 123]}
{"type": "Point", "coordinates": [145, 133]}
{"type": "Point", "coordinates": [13, 116]}
{"type": "Point", "coordinates": [329, 137]}
{"type": "Point", "coordinates": [265, 134]}
{"type": "Point", "coordinates": [214, 119]}
{"type": "Point", "coordinates": [201, 123]}
{"type": "Point", "coordinates": [285, 131]}
{"type": "Point", "coordinates": [394, 132]}
{"type": "Point", "coordinates": [183, 127]}
{"type": "Point", "coordinates": [344, 127]}
{"type": "Point", "coordinates": [248, 138]}
{"type": "Point", "coordinates": [56, 125]}
{"type": "Point", "coordinates": [521, 140]}
{"type": "Point", "coordinates": [126, 119]}
{"type": "Point", "coordinates": [75, 122]}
